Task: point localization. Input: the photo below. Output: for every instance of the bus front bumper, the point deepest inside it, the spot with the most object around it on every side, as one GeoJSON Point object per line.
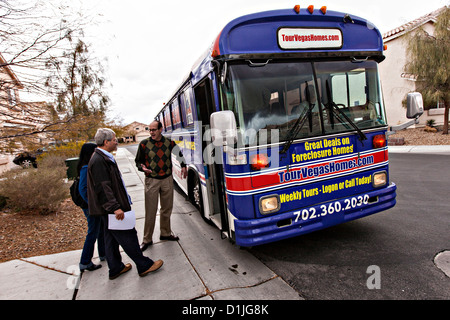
{"type": "Point", "coordinates": [277, 227]}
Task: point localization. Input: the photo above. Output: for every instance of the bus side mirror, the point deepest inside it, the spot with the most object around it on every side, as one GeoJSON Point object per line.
{"type": "Point", "coordinates": [414, 105]}
{"type": "Point", "coordinates": [414, 109]}
{"type": "Point", "coordinates": [223, 128]}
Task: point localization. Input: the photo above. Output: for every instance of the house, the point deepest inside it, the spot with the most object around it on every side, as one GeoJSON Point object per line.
{"type": "Point", "coordinates": [396, 83]}
{"type": "Point", "coordinates": [135, 132]}
{"type": "Point", "coordinates": [16, 115]}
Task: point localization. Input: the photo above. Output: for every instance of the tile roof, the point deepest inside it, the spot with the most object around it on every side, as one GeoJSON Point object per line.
{"type": "Point", "coordinates": [394, 33]}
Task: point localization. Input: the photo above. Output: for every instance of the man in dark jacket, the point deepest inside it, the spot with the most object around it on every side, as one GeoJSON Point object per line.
{"type": "Point", "coordinates": [107, 195]}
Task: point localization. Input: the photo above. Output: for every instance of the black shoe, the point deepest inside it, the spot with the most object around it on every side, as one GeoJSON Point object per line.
{"type": "Point", "coordinates": [170, 238]}
{"type": "Point", "coordinates": [92, 267]}
{"type": "Point", "coordinates": [144, 246]}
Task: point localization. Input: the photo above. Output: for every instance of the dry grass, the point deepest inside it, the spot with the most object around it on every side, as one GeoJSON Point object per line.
{"type": "Point", "coordinates": [418, 137]}
{"type": "Point", "coordinates": [27, 234]}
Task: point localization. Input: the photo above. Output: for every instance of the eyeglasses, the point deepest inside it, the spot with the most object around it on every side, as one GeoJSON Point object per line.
{"type": "Point", "coordinates": [152, 130]}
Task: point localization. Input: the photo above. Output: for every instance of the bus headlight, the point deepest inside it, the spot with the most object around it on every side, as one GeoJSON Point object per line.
{"type": "Point", "coordinates": [269, 204]}
{"type": "Point", "coordinates": [379, 179]}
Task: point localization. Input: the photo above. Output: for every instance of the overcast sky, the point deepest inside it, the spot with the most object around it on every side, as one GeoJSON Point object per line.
{"type": "Point", "coordinates": [151, 45]}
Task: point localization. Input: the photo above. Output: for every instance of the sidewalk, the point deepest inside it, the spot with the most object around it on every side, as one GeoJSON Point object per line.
{"type": "Point", "coordinates": [438, 149]}
{"type": "Point", "coordinates": [200, 265]}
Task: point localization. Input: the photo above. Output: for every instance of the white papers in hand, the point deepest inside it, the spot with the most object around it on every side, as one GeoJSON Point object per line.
{"type": "Point", "coordinates": [126, 224]}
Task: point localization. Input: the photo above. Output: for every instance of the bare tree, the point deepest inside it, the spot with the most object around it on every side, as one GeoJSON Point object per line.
{"type": "Point", "coordinates": [78, 82]}
{"type": "Point", "coordinates": [31, 34]}
{"type": "Point", "coordinates": [42, 43]}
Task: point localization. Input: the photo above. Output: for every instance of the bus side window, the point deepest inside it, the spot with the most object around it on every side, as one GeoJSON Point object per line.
{"type": "Point", "coordinates": [160, 119]}
{"type": "Point", "coordinates": [204, 102]}
{"type": "Point", "coordinates": [186, 108]}
{"type": "Point", "coordinates": [176, 118]}
{"type": "Point", "coordinates": [167, 119]}
{"type": "Point", "coordinates": [204, 106]}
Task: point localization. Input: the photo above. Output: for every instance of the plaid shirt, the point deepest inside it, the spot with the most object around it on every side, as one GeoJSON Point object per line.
{"type": "Point", "coordinates": [156, 156]}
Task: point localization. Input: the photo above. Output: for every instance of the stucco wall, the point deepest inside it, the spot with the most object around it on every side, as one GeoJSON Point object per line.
{"type": "Point", "coordinates": [396, 87]}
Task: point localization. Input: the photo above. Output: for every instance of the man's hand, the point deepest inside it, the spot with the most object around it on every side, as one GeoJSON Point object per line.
{"type": "Point", "coordinates": [120, 215]}
{"type": "Point", "coordinates": [145, 169]}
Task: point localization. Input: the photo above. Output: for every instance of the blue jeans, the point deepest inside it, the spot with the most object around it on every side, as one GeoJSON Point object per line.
{"type": "Point", "coordinates": [94, 233]}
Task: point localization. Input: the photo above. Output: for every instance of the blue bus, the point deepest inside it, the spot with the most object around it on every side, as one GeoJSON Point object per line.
{"type": "Point", "coordinates": [283, 126]}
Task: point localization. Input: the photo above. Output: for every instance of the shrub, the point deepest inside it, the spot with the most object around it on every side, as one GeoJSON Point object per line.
{"type": "Point", "coordinates": [65, 151]}
{"type": "Point", "coordinates": [431, 123]}
{"type": "Point", "coordinates": [41, 190]}
{"type": "Point", "coordinates": [2, 201]}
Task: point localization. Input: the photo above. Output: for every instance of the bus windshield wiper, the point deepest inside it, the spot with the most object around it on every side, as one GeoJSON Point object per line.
{"type": "Point", "coordinates": [334, 108]}
{"type": "Point", "coordinates": [305, 114]}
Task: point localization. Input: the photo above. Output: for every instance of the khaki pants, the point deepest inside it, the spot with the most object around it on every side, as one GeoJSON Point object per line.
{"type": "Point", "coordinates": [154, 189]}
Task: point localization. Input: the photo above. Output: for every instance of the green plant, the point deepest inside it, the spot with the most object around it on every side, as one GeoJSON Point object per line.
{"type": "Point", "coordinates": [431, 123]}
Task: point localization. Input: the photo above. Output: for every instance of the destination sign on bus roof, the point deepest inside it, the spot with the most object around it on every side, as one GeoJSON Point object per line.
{"type": "Point", "coordinates": [307, 38]}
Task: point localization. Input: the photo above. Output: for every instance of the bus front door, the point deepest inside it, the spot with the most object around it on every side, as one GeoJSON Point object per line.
{"type": "Point", "coordinates": [212, 193]}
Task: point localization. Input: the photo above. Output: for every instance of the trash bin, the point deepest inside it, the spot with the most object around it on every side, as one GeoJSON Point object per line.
{"type": "Point", "coordinates": [71, 165]}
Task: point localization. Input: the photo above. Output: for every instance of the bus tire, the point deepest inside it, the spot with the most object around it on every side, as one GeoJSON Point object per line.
{"type": "Point", "coordinates": [195, 194]}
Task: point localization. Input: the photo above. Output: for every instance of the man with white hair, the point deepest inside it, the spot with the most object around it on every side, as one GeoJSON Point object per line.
{"type": "Point", "coordinates": [106, 196]}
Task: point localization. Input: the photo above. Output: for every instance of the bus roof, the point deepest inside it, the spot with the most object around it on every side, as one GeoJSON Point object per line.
{"type": "Point", "coordinates": [281, 34]}
{"type": "Point", "coordinates": [259, 33]}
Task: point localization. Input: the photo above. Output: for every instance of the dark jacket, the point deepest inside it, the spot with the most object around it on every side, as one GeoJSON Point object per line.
{"type": "Point", "coordinates": [106, 191]}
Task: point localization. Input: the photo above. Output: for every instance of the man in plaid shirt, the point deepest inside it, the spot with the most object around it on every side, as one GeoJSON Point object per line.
{"type": "Point", "coordinates": [155, 160]}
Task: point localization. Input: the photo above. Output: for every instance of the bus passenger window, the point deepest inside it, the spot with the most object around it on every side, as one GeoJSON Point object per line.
{"type": "Point", "coordinates": [167, 119]}
{"type": "Point", "coordinates": [176, 118]}
{"type": "Point", "coordinates": [187, 116]}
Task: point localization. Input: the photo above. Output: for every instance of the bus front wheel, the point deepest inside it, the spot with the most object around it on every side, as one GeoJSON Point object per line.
{"type": "Point", "coordinates": [195, 195]}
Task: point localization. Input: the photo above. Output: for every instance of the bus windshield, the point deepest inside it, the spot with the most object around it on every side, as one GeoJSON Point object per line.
{"type": "Point", "coordinates": [303, 99]}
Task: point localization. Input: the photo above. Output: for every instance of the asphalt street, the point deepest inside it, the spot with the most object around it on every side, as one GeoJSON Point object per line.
{"type": "Point", "coordinates": [337, 263]}
{"type": "Point", "coordinates": [402, 242]}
